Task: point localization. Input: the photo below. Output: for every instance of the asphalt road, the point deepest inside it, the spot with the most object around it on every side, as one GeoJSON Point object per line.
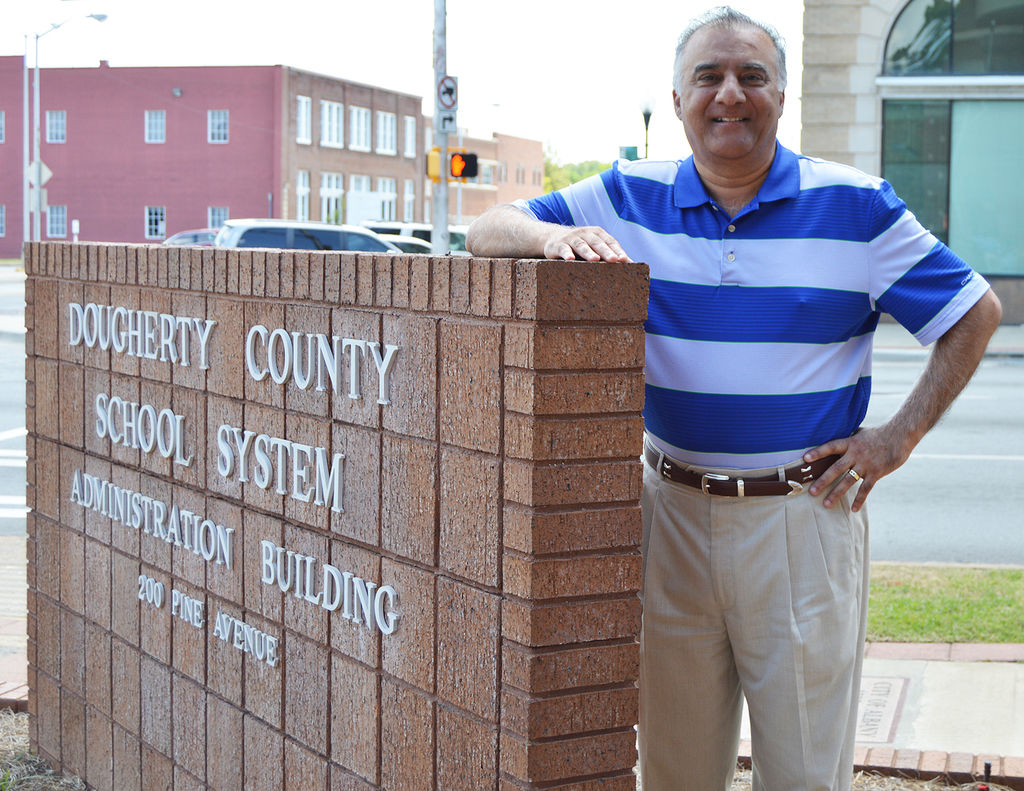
{"type": "Point", "coordinates": [960, 497]}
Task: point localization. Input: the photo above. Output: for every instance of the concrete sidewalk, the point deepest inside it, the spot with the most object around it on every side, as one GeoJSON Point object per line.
{"type": "Point", "coordinates": [940, 710]}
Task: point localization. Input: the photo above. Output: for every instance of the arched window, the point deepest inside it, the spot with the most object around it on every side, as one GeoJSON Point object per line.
{"type": "Point", "coordinates": [961, 37]}
{"type": "Point", "coordinates": [952, 86]}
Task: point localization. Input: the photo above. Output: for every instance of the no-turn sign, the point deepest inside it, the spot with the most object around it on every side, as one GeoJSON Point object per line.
{"type": "Point", "coordinates": [448, 93]}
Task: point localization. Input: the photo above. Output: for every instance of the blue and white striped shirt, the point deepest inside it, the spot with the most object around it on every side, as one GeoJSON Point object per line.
{"type": "Point", "coordinates": [760, 327]}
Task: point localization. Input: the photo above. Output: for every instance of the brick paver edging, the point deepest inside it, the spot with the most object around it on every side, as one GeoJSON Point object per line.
{"type": "Point", "coordinates": [927, 765]}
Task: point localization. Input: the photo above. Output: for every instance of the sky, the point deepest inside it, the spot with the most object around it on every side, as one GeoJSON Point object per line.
{"type": "Point", "coordinates": [574, 75]}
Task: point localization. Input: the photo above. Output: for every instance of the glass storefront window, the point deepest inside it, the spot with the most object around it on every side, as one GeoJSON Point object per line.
{"type": "Point", "coordinates": [919, 40]}
{"type": "Point", "coordinates": [986, 159]}
{"type": "Point", "coordinates": [915, 157]}
{"type": "Point", "coordinates": [960, 37]}
{"type": "Point", "coordinates": [947, 160]}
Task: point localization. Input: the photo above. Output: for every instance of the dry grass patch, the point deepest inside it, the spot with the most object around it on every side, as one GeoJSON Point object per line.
{"type": "Point", "coordinates": [20, 770]}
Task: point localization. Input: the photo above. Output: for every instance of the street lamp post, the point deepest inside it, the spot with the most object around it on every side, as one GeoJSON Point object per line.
{"type": "Point", "coordinates": [647, 122]}
{"type": "Point", "coordinates": [38, 165]}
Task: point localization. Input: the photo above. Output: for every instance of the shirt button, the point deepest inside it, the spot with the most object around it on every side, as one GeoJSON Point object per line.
{"type": "Point", "coordinates": [732, 228]}
{"type": "Point", "coordinates": [731, 257]}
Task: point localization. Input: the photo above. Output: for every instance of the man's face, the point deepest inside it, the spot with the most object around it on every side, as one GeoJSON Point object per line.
{"type": "Point", "coordinates": [730, 99]}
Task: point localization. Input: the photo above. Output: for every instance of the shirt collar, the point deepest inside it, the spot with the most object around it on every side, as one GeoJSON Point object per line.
{"type": "Point", "coordinates": [783, 181]}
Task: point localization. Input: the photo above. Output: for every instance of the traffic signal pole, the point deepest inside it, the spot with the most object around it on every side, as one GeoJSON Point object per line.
{"type": "Point", "coordinates": [439, 241]}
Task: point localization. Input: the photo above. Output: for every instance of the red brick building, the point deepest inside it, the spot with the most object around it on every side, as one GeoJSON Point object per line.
{"type": "Point", "coordinates": [138, 154]}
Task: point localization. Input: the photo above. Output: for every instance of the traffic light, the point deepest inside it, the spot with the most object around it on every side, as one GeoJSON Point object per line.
{"type": "Point", "coordinates": [434, 164]}
{"type": "Point", "coordinates": [463, 166]}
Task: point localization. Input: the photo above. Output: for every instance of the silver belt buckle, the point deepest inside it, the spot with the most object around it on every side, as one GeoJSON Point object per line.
{"type": "Point", "coordinates": [713, 477]}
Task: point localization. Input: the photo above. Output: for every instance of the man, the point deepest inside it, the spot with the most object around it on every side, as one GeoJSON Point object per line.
{"type": "Point", "coordinates": [768, 273]}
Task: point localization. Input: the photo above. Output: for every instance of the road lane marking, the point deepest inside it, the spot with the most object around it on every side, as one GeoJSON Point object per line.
{"type": "Point", "coordinates": [968, 456]}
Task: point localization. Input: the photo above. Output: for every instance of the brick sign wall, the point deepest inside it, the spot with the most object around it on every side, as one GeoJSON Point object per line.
{"type": "Point", "coordinates": [326, 521]}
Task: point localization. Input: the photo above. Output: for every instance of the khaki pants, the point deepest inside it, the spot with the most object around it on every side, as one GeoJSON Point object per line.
{"type": "Point", "coordinates": [756, 597]}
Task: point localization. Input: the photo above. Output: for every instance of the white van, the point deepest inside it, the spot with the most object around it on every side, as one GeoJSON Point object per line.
{"type": "Point", "coordinates": [299, 235]}
{"type": "Point", "coordinates": [421, 230]}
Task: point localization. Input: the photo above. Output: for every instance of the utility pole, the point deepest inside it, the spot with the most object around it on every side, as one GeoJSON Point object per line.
{"type": "Point", "coordinates": [439, 241]}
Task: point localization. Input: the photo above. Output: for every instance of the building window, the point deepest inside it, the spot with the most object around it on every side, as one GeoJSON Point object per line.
{"type": "Point", "coordinates": [387, 133]}
{"type": "Point", "coordinates": [302, 195]}
{"type": "Point", "coordinates": [3, 220]}
{"type": "Point", "coordinates": [216, 216]}
{"type": "Point", "coordinates": [156, 126]}
{"type": "Point", "coordinates": [331, 193]}
{"type": "Point", "coordinates": [388, 198]}
{"type": "Point", "coordinates": [409, 204]}
{"type": "Point", "coordinates": [359, 131]}
{"type": "Point", "coordinates": [3, 127]}
{"type": "Point", "coordinates": [156, 222]}
{"type": "Point", "coordinates": [57, 221]}
{"type": "Point", "coordinates": [332, 124]}
{"type": "Point", "coordinates": [304, 120]}
{"type": "Point", "coordinates": [217, 126]}
{"type": "Point", "coordinates": [56, 126]}
{"type": "Point", "coordinates": [942, 158]}
{"type": "Point", "coordinates": [359, 183]}
{"type": "Point", "coordinates": [965, 37]}
{"type": "Point", "coordinates": [946, 141]}
{"type": "Point", "coordinates": [409, 147]}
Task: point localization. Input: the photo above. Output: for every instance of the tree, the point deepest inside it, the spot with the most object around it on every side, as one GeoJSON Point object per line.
{"type": "Point", "coordinates": [557, 175]}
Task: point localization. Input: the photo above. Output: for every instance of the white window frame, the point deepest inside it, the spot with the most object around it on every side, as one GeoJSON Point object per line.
{"type": "Point", "coordinates": [332, 190]}
{"type": "Point", "coordinates": [387, 133]}
{"type": "Point", "coordinates": [3, 219]}
{"type": "Point", "coordinates": [302, 195]}
{"type": "Point", "coordinates": [156, 126]}
{"type": "Point", "coordinates": [3, 127]}
{"type": "Point", "coordinates": [218, 126]}
{"type": "Point", "coordinates": [332, 124]}
{"type": "Point", "coordinates": [409, 201]}
{"type": "Point", "coordinates": [216, 216]}
{"type": "Point", "coordinates": [303, 120]}
{"type": "Point", "coordinates": [387, 188]}
{"type": "Point", "coordinates": [359, 128]}
{"type": "Point", "coordinates": [57, 222]}
{"type": "Point", "coordinates": [409, 144]}
{"type": "Point", "coordinates": [156, 222]}
{"type": "Point", "coordinates": [57, 127]}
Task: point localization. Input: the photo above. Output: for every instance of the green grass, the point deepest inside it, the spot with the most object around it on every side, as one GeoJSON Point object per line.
{"type": "Point", "coordinates": [945, 604]}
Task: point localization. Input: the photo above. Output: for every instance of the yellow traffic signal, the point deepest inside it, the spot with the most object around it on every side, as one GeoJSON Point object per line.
{"type": "Point", "coordinates": [463, 166]}
{"type": "Point", "coordinates": [434, 164]}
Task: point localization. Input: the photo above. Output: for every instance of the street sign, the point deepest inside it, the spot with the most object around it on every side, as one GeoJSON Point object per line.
{"type": "Point", "coordinates": [45, 173]}
{"type": "Point", "coordinates": [448, 93]}
{"type": "Point", "coordinates": [32, 199]}
{"type": "Point", "coordinates": [447, 124]}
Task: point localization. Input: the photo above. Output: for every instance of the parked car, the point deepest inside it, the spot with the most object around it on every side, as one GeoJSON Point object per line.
{"type": "Point", "coordinates": [300, 235]}
{"type": "Point", "coordinates": [203, 237]}
{"type": "Point", "coordinates": [421, 230]}
{"type": "Point", "coordinates": [408, 244]}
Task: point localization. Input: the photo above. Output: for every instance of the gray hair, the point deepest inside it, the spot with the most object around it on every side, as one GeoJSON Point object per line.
{"type": "Point", "coordinates": [727, 17]}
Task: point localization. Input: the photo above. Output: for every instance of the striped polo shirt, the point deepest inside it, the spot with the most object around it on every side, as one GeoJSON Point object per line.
{"type": "Point", "coordinates": [760, 326]}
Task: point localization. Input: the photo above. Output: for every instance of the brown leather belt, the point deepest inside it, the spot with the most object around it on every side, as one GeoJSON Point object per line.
{"type": "Point", "coordinates": [736, 486]}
